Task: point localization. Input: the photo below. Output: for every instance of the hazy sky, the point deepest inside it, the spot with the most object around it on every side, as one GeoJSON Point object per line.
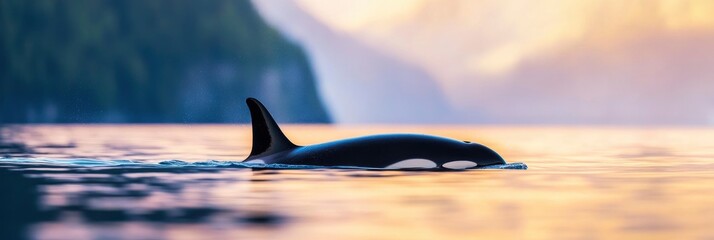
{"type": "Point", "coordinates": [492, 37]}
{"type": "Point", "coordinates": [585, 62]}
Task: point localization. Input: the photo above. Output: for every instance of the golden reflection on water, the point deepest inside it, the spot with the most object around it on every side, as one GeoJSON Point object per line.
{"type": "Point", "coordinates": [582, 183]}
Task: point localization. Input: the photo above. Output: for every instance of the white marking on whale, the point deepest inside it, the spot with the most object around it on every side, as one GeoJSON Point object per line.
{"type": "Point", "coordinates": [259, 161]}
{"type": "Point", "coordinates": [463, 164]}
{"type": "Point", "coordinates": [412, 163]}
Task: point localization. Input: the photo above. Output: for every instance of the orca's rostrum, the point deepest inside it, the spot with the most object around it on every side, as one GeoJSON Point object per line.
{"type": "Point", "coordinates": [389, 151]}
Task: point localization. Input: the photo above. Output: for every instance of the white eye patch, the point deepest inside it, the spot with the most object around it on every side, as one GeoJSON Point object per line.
{"type": "Point", "coordinates": [459, 164]}
{"type": "Point", "coordinates": [412, 163]}
{"type": "Point", "coordinates": [255, 161]}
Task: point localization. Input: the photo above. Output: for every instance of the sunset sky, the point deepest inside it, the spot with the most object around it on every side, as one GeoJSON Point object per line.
{"type": "Point", "coordinates": [506, 32]}
{"type": "Point", "coordinates": [581, 62]}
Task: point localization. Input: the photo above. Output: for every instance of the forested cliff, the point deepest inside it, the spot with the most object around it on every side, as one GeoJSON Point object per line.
{"type": "Point", "coordinates": [148, 61]}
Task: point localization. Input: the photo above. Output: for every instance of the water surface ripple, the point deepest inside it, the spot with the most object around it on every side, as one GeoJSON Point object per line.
{"type": "Point", "coordinates": [186, 182]}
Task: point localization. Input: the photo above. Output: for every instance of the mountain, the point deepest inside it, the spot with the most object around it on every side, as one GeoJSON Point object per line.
{"type": "Point", "coordinates": [148, 61]}
{"type": "Point", "coordinates": [638, 62]}
{"type": "Point", "coordinates": [360, 84]}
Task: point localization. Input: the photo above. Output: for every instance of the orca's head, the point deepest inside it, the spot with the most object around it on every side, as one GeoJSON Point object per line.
{"type": "Point", "coordinates": [482, 155]}
{"type": "Point", "coordinates": [472, 155]}
{"type": "Point", "coordinates": [431, 152]}
{"type": "Point", "coordinates": [446, 153]}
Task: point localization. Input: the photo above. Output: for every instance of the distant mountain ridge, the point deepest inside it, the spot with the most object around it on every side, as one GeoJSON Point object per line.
{"type": "Point", "coordinates": [360, 84]}
{"type": "Point", "coordinates": [148, 61]}
{"type": "Point", "coordinates": [603, 62]}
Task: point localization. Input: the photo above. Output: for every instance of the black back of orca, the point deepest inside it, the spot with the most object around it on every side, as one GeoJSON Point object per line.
{"type": "Point", "coordinates": [270, 145]}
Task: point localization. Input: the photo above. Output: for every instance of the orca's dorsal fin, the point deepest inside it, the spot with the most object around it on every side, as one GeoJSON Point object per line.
{"type": "Point", "coordinates": [267, 136]}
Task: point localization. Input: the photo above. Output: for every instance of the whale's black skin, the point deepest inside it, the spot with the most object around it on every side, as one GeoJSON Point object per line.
{"type": "Point", "coordinates": [377, 151]}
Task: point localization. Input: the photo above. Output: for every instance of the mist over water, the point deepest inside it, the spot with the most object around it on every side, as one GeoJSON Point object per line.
{"type": "Point", "coordinates": [638, 62]}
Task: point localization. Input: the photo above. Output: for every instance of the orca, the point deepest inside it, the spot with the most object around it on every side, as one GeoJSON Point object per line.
{"type": "Point", "coordinates": [388, 151]}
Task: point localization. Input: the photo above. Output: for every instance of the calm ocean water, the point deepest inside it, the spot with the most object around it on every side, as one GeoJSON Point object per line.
{"type": "Point", "coordinates": [179, 181]}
